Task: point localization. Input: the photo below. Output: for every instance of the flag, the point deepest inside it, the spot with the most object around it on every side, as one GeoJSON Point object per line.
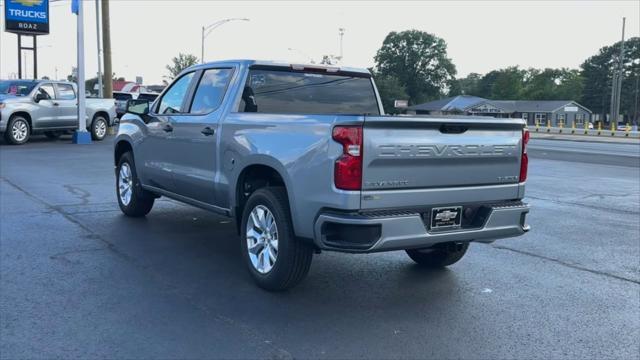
{"type": "Point", "coordinates": [74, 6]}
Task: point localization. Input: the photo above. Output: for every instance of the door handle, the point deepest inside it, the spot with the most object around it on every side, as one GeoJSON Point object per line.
{"type": "Point", "coordinates": [55, 104]}
{"type": "Point", "coordinates": [167, 128]}
{"type": "Point", "coordinates": [208, 131]}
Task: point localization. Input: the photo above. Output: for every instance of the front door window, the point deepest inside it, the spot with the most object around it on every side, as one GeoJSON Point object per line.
{"type": "Point", "coordinates": [173, 99]}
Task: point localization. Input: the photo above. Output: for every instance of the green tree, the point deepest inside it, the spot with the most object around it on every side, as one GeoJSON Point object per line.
{"type": "Point", "coordinates": [502, 84]}
{"type": "Point", "coordinates": [390, 89]}
{"type": "Point", "coordinates": [419, 62]}
{"type": "Point", "coordinates": [597, 72]}
{"type": "Point", "coordinates": [508, 84]}
{"type": "Point", "coordinates": [179, 63]}
{"type": "Point", "coordinates": [553, 84]}
{"type": "Point", "coordinates": [465, 86]}
{"type": "Point", "coordinates": [569, 85]}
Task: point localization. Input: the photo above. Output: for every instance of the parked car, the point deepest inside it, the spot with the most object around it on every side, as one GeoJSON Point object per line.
{"type": "Point", "coordinates": [304, 160]}
{"type": "Point", "coordinates": [50, 107]}
{"type": "Point", "coordinates": [122, 97]}
{"type": "Point", "coordinates": [623, 127]}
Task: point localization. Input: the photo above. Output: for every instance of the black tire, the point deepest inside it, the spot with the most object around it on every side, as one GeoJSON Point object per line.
{"type": "Point", "coordinates": [53, 135]}
{"type": "Point", "coordinates": [440, 255]}
{"type": "Point", "coordinates": [99, 127]}
{"type": "Point", "coordinates": [140, 201]}
{"type": "Point", "coordinates": [21, 123]}
{"type": "Point", "coordinates": [293, 258]}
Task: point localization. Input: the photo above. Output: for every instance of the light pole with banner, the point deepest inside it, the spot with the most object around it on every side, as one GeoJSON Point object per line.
{"type": "Point", "coordinates": [80, 136]}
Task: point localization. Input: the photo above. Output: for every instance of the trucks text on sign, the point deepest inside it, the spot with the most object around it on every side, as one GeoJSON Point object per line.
{"type": "Point", "coordinates": [27, 16]}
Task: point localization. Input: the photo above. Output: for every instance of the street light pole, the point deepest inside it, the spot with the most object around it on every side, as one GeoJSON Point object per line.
{"type": "Point", "coordinates": [341, 32]}
{"type": "Point", "coordinates": [202, 50]}
{"type": "Point", "coordinates": [206, 30]}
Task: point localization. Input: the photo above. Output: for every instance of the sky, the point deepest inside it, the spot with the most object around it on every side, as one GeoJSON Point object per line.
{"type": "Point", "coordinates": [481, 35]}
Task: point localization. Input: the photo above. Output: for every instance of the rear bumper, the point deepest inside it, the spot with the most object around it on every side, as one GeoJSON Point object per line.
{"type": "Point", "coordinates": [386, 231]}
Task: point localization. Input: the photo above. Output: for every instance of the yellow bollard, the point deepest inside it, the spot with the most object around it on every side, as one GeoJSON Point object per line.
{"type": "Point", "coordinates": [599, 127]}
{"type": "Point", "coordinates": [548, 126]}
{"type": "Point", "coordinates": [613, 128]}
{"type": "Point", "coordinates": [573, 127]}
{"type": "Point", "coordinates": [627, 130]}
{"type": "Point", "coordinates": [586, 128]}
{"type": "Point", "coordinates": [560, 125]}
{"type": "Point", "coordinates": [537, 126]}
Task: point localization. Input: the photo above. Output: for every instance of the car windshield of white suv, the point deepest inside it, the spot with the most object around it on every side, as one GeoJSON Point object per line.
{"type": "Point", "coordinates": [17, 88]}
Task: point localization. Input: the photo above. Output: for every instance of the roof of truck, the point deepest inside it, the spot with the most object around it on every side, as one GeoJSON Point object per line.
{"type": "Point", "coordinates": [250, 62]}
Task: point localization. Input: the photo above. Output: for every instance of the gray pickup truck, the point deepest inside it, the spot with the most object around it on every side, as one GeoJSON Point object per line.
{"type": "Point", "coordinates": [50, 107]}
{"type": "Point", "coordinates": [304, 160]}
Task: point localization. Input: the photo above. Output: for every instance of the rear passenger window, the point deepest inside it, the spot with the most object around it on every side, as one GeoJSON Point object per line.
{"type": "Point", "coordinates": [171, 102]}
{"type": "Point", "coordinates": [211, 90]}
{"type": "Point", "coordinates": [295, 92]}
{"type": "Point", "coordinates": [66, 92]}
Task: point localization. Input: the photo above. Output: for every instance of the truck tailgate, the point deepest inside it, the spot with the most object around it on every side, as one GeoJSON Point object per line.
{"type": "Point", "coordinates": [418, 161]}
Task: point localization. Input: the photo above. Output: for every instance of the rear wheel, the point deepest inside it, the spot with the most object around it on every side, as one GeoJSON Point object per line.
{"type": "Point", "coordinates": [18, 130]}
{"type": "Point", "coordinates": [277, 260]}
{"type": "Point", "coordinates": [99, 128]}
{"type": "Point", "coordinates": [439, 255]}
{"type": "Point", "coordinates": [132, 199]}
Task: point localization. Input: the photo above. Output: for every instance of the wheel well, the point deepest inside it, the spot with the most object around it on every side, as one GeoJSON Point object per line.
{"type": "Point", "coordinates": [252, 178]}
{"type": "Point", "coordinates": [121, 148]}
{"type": "Point", "coordinates": [24, 115]}
{"type": "Point", "coordinates": [103, 114]}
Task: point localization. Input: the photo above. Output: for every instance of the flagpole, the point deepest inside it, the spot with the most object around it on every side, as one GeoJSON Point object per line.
{"type": "Point", "coordinates": [81, 136]}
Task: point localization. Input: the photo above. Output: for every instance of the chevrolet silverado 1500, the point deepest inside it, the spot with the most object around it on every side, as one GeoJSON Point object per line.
{"type": "Point", "coordinates": [49, 107]}
{"type": "Point", "coordinates": [304, 159]}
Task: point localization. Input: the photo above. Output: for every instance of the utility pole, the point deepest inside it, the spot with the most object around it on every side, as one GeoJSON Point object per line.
{"type": "Point", "coordinates": [106, 42]}
{"type": "Point", "coordinates": [100, 88]}
{"type": "Point", "coordinates": [616, 85]}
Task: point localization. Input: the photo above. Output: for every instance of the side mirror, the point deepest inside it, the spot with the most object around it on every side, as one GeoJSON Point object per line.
{"type": "Point", "coordinates": [40, 96]}
{"type": "Point", "coordinates": [138, 107]}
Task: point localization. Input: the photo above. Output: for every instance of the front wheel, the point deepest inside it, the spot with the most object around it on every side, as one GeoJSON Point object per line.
{"type": "Point", "coordinates": [132, 199]}
{"type": "Point", "coordinates": [277, 260]}
{"type": "Point", "coordinates": [99, 128]}
{"type": "Point", "coordinates": [18, 130]}
{"type": "Point", "coordinates": [440, 255]}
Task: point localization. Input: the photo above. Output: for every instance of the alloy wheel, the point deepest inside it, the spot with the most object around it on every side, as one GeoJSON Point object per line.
{"type": "Point", "coordinates": [19, 130]}
{"type": "Point", "coordinates": [100, 128]}
{"type": "Point", "coordinates": [262, 239]}
{"type": "Point", "coordinates": [125, 186]}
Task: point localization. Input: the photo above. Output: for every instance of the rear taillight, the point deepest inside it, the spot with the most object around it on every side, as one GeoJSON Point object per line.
{"type": "Point", "coordinates": [524, 162]}
{"type": "Point", "coordinates": [347, 172]}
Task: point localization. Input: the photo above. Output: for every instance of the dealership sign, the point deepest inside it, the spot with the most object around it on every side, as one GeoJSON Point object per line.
{"type": "Point", "coordinates": [29, 17]}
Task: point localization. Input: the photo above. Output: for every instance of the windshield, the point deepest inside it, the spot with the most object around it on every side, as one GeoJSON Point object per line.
{"type": "Point", "coordinates": [18, 88]}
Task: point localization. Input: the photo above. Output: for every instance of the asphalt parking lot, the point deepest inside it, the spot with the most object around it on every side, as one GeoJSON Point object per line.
{"type": "Point", "coordinates": [80, 280]}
